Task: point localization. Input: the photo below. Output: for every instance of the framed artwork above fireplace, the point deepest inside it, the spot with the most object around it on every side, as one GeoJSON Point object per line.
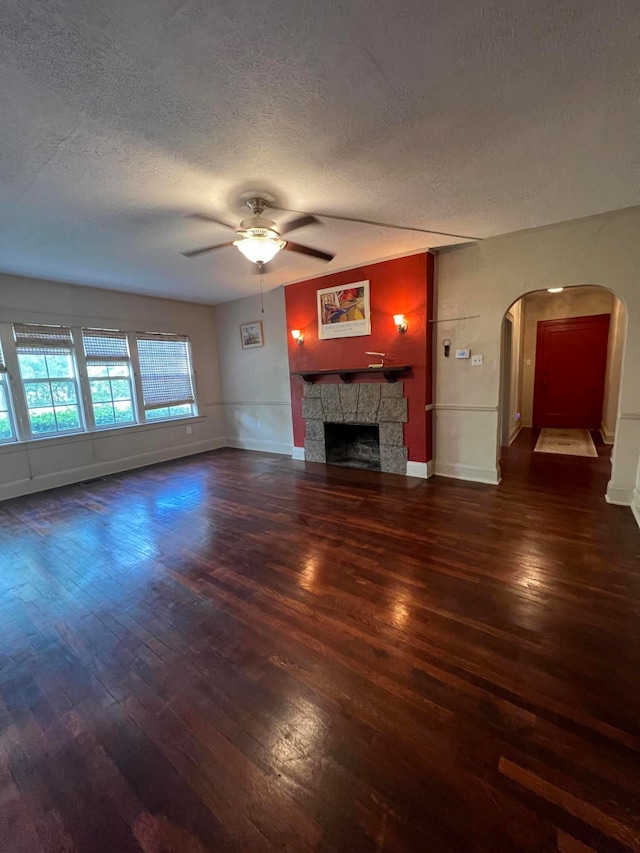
{"type": "Point", "coordinates": [344, 311]}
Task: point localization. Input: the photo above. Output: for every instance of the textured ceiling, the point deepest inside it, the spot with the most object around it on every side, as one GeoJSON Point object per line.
{"type": "Point", "coordinates": [118, 118]}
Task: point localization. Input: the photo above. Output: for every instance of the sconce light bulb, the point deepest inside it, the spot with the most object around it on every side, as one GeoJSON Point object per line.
{"type": "Point", "coordinates": [401, 323]}
{"type": "Point", "coordinates": [297, 336]}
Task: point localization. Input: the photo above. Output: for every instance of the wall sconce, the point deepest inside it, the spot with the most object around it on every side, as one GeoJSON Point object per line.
{"type": "Point", "coordinates": [401, 323]}
{"type": "Point", "coordinates": [297, 336]}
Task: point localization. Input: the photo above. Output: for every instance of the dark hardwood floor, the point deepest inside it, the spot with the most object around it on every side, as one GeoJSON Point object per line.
{"type": "Point", "coordinates": [240, 652]}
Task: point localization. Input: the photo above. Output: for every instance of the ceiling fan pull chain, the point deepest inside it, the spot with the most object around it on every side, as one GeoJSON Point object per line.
{"type": "Point", "coordinates": [261, 266]}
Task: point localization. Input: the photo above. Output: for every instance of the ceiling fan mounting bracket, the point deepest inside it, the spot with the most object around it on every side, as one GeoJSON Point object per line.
{"type": "Point", "coordinates": [257, 205]}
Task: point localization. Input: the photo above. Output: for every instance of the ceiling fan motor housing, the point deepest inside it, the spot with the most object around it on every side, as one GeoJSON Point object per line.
{"type": "Point", "coordinates": [258, 226]}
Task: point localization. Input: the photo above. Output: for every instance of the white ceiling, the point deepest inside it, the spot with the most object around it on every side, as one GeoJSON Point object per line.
{"type": "Point", "coordinates": [118, 118]}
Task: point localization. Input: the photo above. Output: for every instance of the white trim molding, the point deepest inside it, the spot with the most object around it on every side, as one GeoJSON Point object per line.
{"type": "Point", "coordinates": [635, 505]}
{"type": "Point", "coordinates": [259, 444]}
{"type": "Point", "coordinates": [607, 436]}
{"type": "Point", "coordinates": [468, 472]}
{"type": "Point", "coordinates": [455, 407]}
{"type": "Point", "coordinates": [419, 469]}
{"type": "Point", "coordinates": [41, 483]}
{"type": "Point", "coordinates": [297, 453]}
{"type": "Point", "coordinates": [515, 434]}
{"type": "Point", "coordinates": [254, 403]}
{"type": "Point", "coordinates": [619, 496]}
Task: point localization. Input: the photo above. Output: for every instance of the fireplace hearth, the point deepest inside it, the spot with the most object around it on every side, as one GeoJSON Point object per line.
{"type": "Point", "coordinates": [352, 445]}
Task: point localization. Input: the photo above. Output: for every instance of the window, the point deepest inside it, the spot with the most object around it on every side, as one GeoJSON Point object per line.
{"type": "Point", "coordinates": [72, 380]}
{"type": "Point", "coordinates": [49, 379]}
{"type": "Point", "coordinates": [7, 430]}
{"type": "Point", "coordinates": [165, 376]}
{"type": "Point", "coordinates": [109, 372]}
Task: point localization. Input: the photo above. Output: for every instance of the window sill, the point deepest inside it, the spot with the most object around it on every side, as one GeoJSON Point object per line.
{"type": "Point", "coordinates": [92, 435]}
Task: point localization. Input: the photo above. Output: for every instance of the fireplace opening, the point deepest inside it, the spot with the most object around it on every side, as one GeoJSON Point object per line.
{"type": "Point", "coordinates": [352, 445]}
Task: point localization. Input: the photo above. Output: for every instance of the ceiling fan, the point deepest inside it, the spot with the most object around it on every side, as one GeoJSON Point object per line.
{"type": "Point", "coordinates": [258, 238]}
{"type": "Point", "coordinates": [260, 241]}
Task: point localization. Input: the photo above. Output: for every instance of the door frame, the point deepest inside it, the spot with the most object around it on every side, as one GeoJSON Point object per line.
{"type": "Point", "coordinates": [505, 381]}
{"type": "Point", "coordinates": [538, 385]}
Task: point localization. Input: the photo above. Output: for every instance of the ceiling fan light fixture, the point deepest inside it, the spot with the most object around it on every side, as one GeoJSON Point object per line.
{"type": "Point", "coordinates": [259, 245]}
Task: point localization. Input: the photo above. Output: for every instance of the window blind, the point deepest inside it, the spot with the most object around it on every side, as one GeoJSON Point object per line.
{"type": "Point", "coordinates": [103, 345]}
{"type": "Point", "coordinates": [165, 370]}
{"type": "Point", "coordinates": [56, 340]}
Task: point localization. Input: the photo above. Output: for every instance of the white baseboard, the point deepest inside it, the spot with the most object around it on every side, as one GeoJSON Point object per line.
{"type": "Point", "coordinates": [607, 436]}
{"type": "Point", "coordinates": [259, 444]}
{"type": "Point", "coordinates": [103, 469]}
{"type": "Point", "coordinates": [619, 496]}
{"type": "Point", "coordinates": [414, 469]}
{"type": "Point", "coordinates": [635, 505]}
{"type": "Point", "coordinates": [468, 472]}
{"type": "Point", "coordinates": [514, 434]}
{"type": "Point", "coordinates": [419, 469]}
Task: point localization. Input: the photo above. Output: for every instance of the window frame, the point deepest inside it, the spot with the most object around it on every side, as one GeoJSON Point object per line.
{"type": "Point", "coordinates": [6, 386]}
{"type": "Point", "coordinates": [16, 395]}
{"type": "Point", "coordinates": [75, 379]}
{"type": "Point", "coordinates": [135, 357]}
{"type": "Point", "coordinates": [88, 361]}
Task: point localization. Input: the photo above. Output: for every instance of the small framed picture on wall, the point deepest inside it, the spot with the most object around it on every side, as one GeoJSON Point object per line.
{"type": "Point", "coordinates": [251, 334]}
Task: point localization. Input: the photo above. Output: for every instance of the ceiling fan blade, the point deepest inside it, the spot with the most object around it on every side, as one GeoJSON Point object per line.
{"type": "Point", "coordinates": [194, 252]}
{"type": "Point", "coordinates": [307, 250]}
{"type": "Point", "coordinates": [203, 217]}
{"type": "Point", "coordinates": [382, 224]}
{"type": "Point", "coordinates": [299, 222]}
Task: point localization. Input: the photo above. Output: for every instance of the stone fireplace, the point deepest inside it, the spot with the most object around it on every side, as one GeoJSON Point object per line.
{"type": "Point", "coordinates": [379, 404]}
{"type": "Point", "coordinates": [352, 445]}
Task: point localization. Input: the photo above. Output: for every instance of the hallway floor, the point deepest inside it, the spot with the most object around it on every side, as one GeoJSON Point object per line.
{"type": "Point", "coordinates": [242, 652]}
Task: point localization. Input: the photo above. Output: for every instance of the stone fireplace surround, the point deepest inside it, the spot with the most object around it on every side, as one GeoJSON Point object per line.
{"type": "Point", "coordinates": [381, 403]}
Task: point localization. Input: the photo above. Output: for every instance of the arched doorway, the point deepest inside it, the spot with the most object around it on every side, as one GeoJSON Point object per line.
{"type": "Point", "coordinates": [559, 381]}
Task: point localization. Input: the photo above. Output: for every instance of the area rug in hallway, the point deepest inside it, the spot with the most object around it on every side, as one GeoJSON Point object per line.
{"type": "Point", "coordinates": [571, 442]}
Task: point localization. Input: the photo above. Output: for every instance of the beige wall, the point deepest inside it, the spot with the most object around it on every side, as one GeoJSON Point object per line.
{"type": "Point", "coordinates": [572, 302]}
{"type": "Point", "coordinates": [514, 402]}
{"type": "Point", "coordinates": [635, 500]}
{"type": "Point", "coordinates": [614, 367]}
{"type": "Point", "coordinates": [484, 279]}
{"type": "Point", "coordinates": [45, 463]}
{"type": "Point", "coordinates": [255, 382]}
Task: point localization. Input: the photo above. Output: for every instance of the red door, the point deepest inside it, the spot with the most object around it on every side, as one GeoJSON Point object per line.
{"type": "Point", "coordinates": [571, 360]}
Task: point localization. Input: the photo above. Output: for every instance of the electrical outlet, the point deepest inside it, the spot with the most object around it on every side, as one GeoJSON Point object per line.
{"type": "Point", "coordinates": [189, 430]}
{"type": "Point", "coordinates": [476, 360]}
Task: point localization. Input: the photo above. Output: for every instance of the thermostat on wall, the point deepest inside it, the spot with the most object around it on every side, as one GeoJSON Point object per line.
{"type": "Point", "coordinates": [463, 353]}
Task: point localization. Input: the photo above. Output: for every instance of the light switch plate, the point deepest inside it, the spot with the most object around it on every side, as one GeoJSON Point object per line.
{"type": "Point", "coordinates": [462, 353]}
{"type": "Point", "coordinates": [476, 360]}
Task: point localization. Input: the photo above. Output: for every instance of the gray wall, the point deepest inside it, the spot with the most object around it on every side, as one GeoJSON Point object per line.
{"type": "Point", "coordinates": [256, 390]}
{"type": "Point", "coordinates": [44, 463]}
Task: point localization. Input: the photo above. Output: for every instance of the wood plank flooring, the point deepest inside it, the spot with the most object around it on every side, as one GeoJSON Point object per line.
{"type": "Point", "coordinates": [239, 652]}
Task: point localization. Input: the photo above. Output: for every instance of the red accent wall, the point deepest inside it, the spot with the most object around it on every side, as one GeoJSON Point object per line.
{"type": "Point", "coordinates": [401, 286]}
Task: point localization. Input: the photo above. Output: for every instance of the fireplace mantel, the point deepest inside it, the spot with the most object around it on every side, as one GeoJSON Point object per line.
{"type": "Point", "coordinates": [390, 373]}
